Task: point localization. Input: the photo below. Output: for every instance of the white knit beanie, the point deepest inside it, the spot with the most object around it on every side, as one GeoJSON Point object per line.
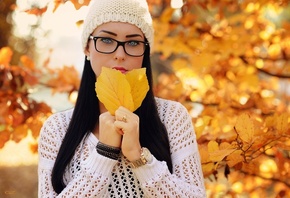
{"type": "Point", "coordinates": [135, 12]}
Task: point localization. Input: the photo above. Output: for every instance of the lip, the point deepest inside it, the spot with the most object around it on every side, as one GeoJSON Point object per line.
{"type": "Point", "coordinates": [121, 69]}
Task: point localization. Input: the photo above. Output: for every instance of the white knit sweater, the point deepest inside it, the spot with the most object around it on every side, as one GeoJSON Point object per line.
{"type": "Point", "coordinates": [90, 174]}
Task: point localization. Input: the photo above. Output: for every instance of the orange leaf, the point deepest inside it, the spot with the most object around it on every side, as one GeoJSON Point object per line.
{"type": "Point", "coordinates": [27, 62]}
{"type": "Point", "coordinates": [36, 11]}
{"type": "Point", "coordinates": [282, 123]}
{"type": "Point", "coordinates": [252, 167]}
{"type": "Point", "coordinates": [5, 55]}
{"type": "Point", "coordinates": [66, 81]}
{"type": "Point", "coordinates": [79, 5]}
{"type": "Point", "coordinates": [57, 3]}
{"type": "Point", "coordinates": [17, 116]}
{"type": "Point", "coordinates": [4, 137]}
{"type": "Point", "coordinates": [70, 75]}
{"type": "Point", "coordinates": [234, 158]}
{"type": "Point", "coordinates": [34, 147]}
{"type": "Point", "coordinates": [44, 110]}
{"type": "Point", "coordinates": [19, 133]}
{"type": "Point", "coordinates": [30, 79]}
{"type": "Point", "coordinates": [245, 128]}
{"type": "Point", "coordinates": [34, 124]}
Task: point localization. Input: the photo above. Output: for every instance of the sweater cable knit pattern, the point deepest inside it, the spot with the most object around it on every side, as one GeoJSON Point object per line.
{"type": "Point", "coordinates": [90, 174]}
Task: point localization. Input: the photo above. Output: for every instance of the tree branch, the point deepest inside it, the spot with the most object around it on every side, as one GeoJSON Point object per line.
{"type": "Point", "coordinates": [265, 178]}
{"type": "Point", "coordinates": [244, 59]}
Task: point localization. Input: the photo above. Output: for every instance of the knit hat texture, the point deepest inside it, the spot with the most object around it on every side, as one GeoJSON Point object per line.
{"type": "Point", "coordinates": [135, 12]}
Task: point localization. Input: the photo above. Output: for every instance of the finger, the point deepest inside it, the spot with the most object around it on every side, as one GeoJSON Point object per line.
{"type": "Point", "coordinates": [123, 109]}
{"type": "Point", "coordinates": [118, 126]}
{"type": "Point", "coordinates": [125, 115]}
{"type": "Point", "coordinates": [106, 116]}
{"type": "Point", "coordinates": [122, 116]}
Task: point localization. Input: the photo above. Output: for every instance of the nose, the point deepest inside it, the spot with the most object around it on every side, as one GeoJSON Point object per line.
{"type": "Point", "coordinates": [120, 53]}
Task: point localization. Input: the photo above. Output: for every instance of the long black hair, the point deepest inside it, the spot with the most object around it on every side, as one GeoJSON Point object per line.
{"type": "Point", "coordinates": [85, 118]}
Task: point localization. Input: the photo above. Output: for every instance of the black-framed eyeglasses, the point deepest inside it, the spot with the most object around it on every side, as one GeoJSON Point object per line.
{"type": "Point", "coordinates": [108, 45]}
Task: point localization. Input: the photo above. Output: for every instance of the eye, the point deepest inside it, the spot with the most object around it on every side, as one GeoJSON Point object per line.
{"type": "Point", "coordinates": [107, 40]}
{"type": "Point", "coordinates": [133, 43]}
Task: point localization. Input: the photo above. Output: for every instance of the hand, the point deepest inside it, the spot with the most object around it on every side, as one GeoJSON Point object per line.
{"type": "Point", "coordinates": [127, 124]}
{"type": "Point", "coordinates": [107, 132]}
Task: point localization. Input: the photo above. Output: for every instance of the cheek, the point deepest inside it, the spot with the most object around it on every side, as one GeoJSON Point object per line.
{"type": "Point", "coordinates": [96, 67]}
{"type": "Point", "coordinates": [137, 63]}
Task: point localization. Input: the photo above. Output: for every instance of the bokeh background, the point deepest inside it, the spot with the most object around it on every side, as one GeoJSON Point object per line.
{"type": "Point", "coordinates": [227, 61]}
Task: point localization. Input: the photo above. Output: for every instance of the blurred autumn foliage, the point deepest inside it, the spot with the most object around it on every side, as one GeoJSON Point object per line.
{"type": "Point", "coordinates": [4, 26]}
{"type": "Point", "coordinates": [227, 60]}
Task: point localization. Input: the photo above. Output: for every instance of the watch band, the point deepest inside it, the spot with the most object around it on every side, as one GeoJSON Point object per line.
{"type": "Point", "coordinates": [145, 157]}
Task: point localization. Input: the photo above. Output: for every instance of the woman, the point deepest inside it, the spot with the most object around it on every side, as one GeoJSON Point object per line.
{"type": "Point", "coordinates": [87, 152]}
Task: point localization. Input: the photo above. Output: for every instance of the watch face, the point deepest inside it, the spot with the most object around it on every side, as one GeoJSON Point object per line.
{"type": "Point", "coordinates": [147, 155]}
{"type": "Point", "coordinates": [146, 152]}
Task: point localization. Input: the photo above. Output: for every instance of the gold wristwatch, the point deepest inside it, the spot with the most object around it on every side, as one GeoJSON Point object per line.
{"type": "Point", "coordinates": [145, 158]}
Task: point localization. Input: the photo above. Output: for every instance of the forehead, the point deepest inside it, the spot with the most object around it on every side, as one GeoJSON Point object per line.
{"type": "Point", "coordinates": [119, 28]}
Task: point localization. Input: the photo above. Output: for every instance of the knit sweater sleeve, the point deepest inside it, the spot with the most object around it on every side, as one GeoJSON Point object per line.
{"type": "Point", "coordinates": [187, 178]}
{"type": "Point", "coordinates": [94, 175]}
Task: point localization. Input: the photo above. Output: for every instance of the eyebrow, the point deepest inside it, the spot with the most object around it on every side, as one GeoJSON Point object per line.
{"type": "Point", "coordinates": [127, 36]}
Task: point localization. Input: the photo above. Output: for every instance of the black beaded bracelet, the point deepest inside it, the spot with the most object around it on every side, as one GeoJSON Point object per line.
{"type": "Point", "coordinates": [108, 154]}
{"type": "Point", "coordinates": [108, 151]}
{"type": "Point", "coordinates": [108, 148]}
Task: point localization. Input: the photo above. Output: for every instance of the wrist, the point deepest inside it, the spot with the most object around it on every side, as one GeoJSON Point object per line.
{"type": "Point", "coordinates": [134, 155]}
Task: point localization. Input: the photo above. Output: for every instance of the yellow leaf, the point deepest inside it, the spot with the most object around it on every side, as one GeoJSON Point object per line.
{"type": "Point", "coordinates": [216, 153]}
{"type": "Point", "coordinates": [275, 50]}
{"type": "Point", "coordinates": [167, 14]}
{"type": "Point", "coordinates": [79, 23]}
{"type": "Point", "coordinates": [282, 123]}
{"type": "Point", "coordinates": [207, 168]}
{"type": "Point", "coordinates": [219, 155]}
{"type": "Point", "coordinates": [234, 158]}
{"type": "Point", "coordinates": [115, 89]}
{"type": "Point", "coordinates": [204, 155]}
{"type": "Point", "coordinates": [139, 85]}
{"type": "Point", "coordinates": [201, 124]}
{"type": "Point", "coordinates": [212, 146]}
{"type": "Point", "coordinates": [245, 128]}
{"type": "Point", "coordinates": [225, 146]}
{"type": "Point", "coordinates": [269, 121]}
